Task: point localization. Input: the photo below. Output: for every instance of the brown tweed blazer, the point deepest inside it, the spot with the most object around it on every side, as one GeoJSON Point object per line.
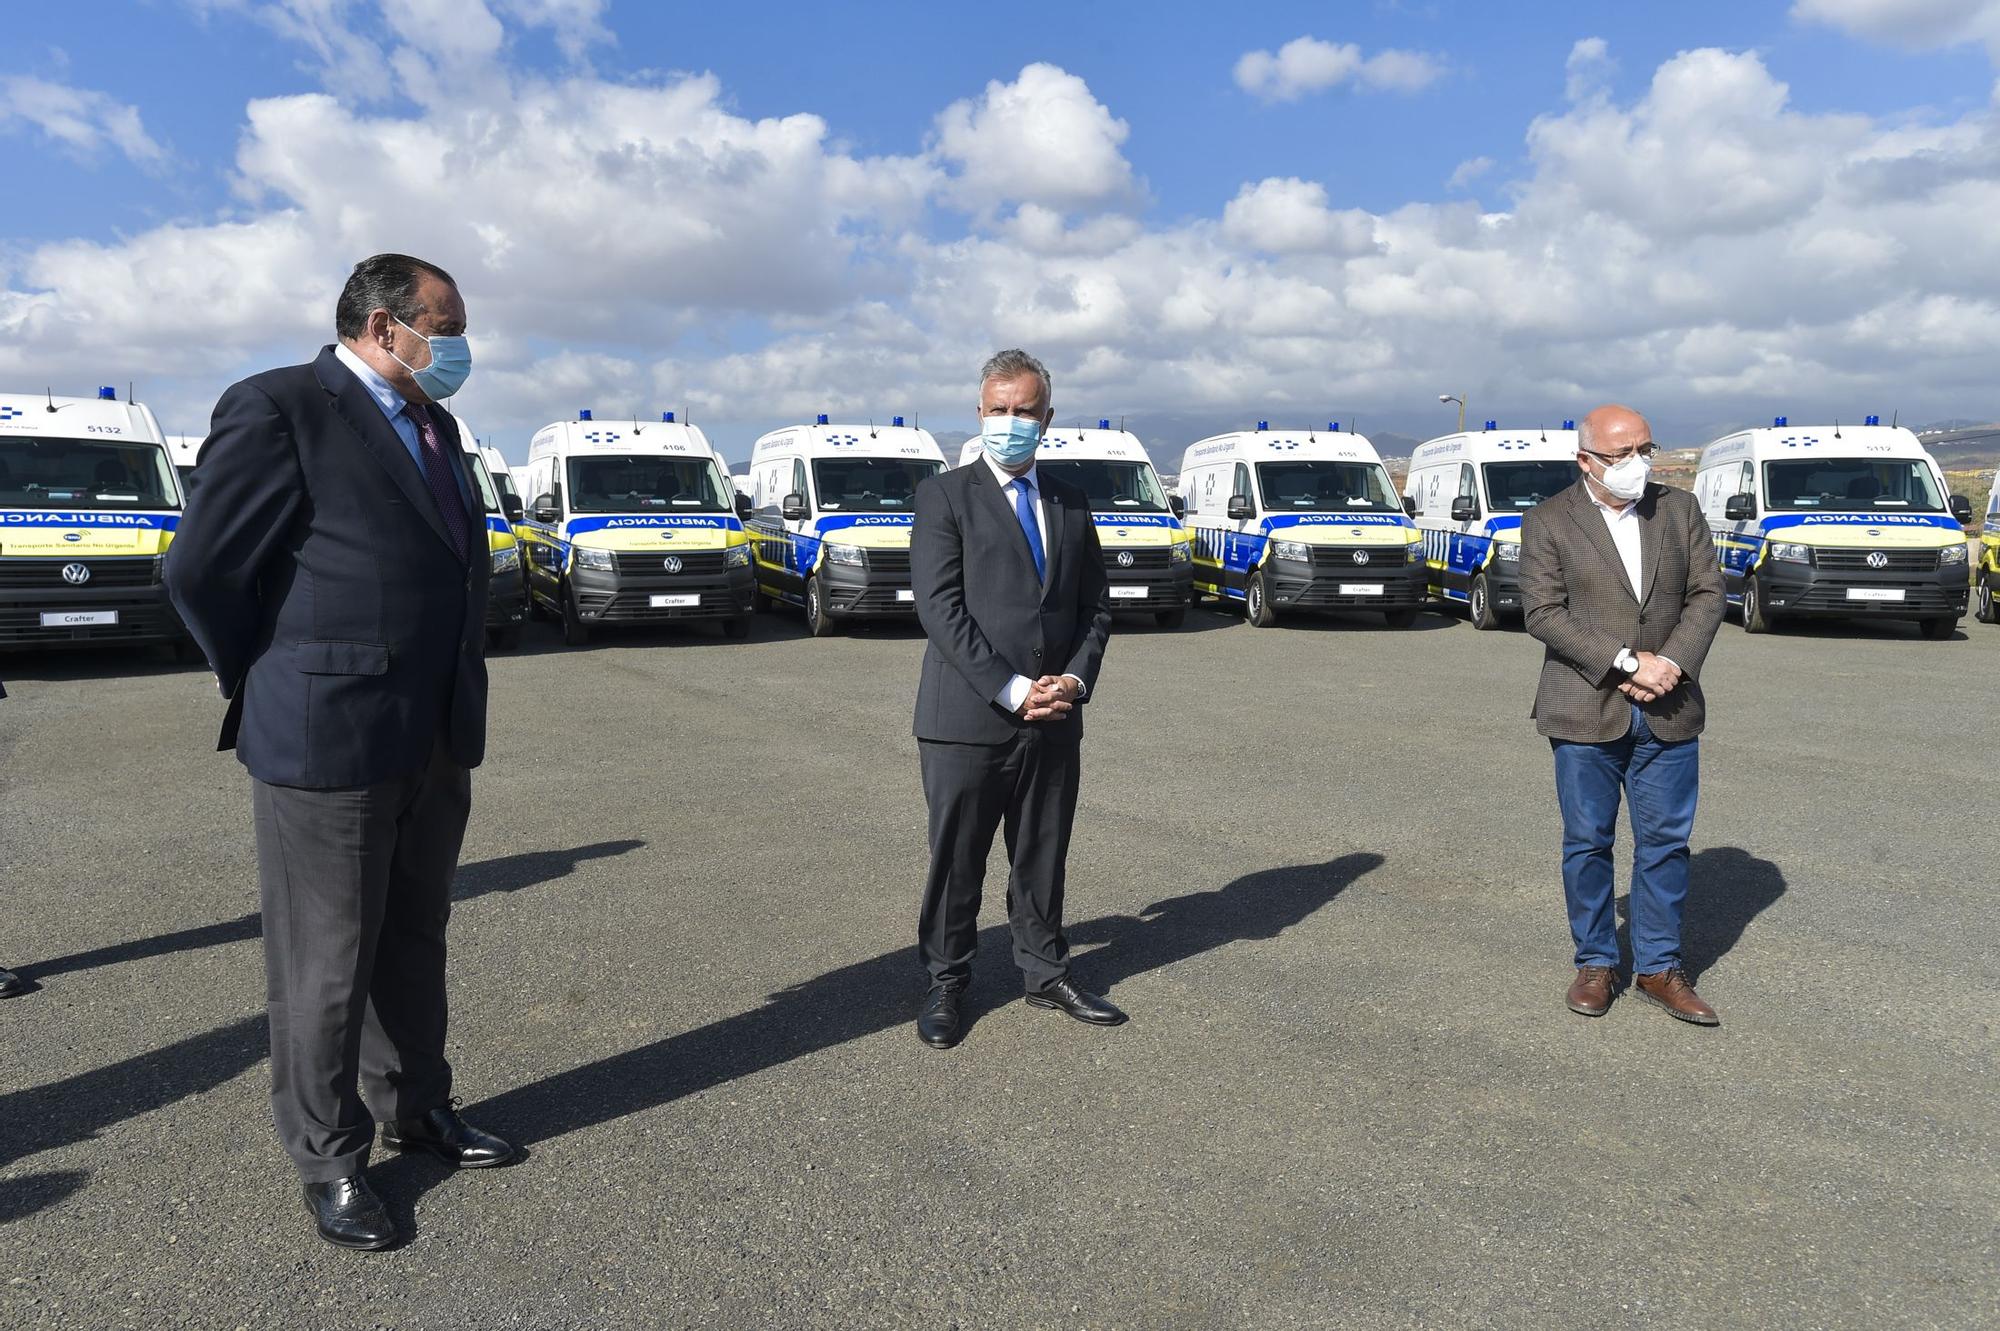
{"type": "Point", "coordinates": [1578, 603]}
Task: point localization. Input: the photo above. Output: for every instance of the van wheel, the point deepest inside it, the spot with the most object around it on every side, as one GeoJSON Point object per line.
{"type": "Point", "coordinates": [1399, 619]}
{"type": "Point", "coordinates": [1171, 619]}
{"type": "Point", "coordinates": [1938, 628]}
{"type": "Point", "coordinates": [1256, 604]}
{"type": "Point", "coordinates": [575, 632]}
{"type": "Point", "coordinates": [736, 626]}
{"type": "Point", "coordinates": [1754, 618]}
{"type": "Point", "coordinates": [818, 622]}
{"type": "Point", "coordinates": [504, 639]}
{"type": "Point", "coordinates": [1479, 604]}
{"type": "Point", "coordinates": [1984, 610]}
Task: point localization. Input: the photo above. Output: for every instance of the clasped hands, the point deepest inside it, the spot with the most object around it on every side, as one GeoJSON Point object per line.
{"type": "Point", "coordinates": [1050, 698]}
{"type": "Point", "coordinates": [1655, 678]}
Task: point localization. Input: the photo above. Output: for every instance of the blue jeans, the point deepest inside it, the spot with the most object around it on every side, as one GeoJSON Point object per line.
{"type": "Point", "coordinates": [1661, 781]}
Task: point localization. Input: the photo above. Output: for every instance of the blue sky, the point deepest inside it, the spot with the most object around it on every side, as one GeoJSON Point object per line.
{"type": "Point", "coordinates": [1190, 246]}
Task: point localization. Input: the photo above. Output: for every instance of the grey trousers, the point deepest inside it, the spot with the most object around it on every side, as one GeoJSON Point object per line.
{"type": "Point", "coordinates": [356, 888]}
{"type": "Point", "coordinates": [1029, 786]}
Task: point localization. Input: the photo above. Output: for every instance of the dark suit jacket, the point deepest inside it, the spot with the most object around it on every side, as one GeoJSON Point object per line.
{"type": "Point", "coordinates": [987, 616]}
{"type": "Point", "coordinates": [1578, 603]}
{"type": "Point", "coordinates": [314, 570]}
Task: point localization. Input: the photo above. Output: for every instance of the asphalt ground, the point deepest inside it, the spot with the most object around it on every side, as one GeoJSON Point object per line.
{"type": "Point", "coordinates": [1318, 865]}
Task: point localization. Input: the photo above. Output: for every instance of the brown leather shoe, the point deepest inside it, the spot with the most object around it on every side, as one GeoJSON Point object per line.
{"type": "Point", "coordinates": [1670, 989]}
{"type": "Point", "coordinates": [1590, 994]}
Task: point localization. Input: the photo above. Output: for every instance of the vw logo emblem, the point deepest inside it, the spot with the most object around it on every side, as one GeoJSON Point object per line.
{"type": "Point", "coordinates": [1876, 559]}
{"type": "Point", "coordinates": [1124, 559]}
{"type": "Point", "coordinates": [1360, 556]}
{"type": "Point", "coordinates": [76, 574]}
{"type": "Point", "coordinates": [672, 563]}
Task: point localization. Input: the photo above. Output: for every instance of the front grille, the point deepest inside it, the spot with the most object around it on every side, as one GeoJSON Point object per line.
{"type": "Point", "coordinates": [653, 563]}
{"type": "Point", "coordinates": [636, 608]}
{"type": "Point", "coordinates": [1920, 601]}
{"type": "Point", "coordinates": [881, 560]}
{"type": "Point", "coordinates": [1324, 594]}
{"type": "Point", "coordinates": [138, 621]}
{"type": "Point", "coordinates": [1153, 560]}
{"type": "Point", "coordinates": [1341, 557]}
{"type": "Point", "coordinates": [44, 574]}
{"type": "Point", "coordinates": [1894, 561]}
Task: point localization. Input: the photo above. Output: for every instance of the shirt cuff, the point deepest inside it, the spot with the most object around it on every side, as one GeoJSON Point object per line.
{"type": "Point", "coordinates": [1015, 693]}
{"type": "Point", "coordinates": [1670, 661]}
{"type": "Point", "coordinates": [1082, 689]}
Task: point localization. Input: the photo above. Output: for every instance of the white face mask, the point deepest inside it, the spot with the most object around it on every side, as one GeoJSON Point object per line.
{"type": "Point", "coordinates": [1627, 478]}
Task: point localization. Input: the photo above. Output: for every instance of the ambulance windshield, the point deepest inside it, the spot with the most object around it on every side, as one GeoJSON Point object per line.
{"type": "Point", "coordinates": [1327, 487]}
{"type": "Point", "coordinates": [646, 483]}
{"type": "Point", "coordinates": [40, 472]}
{"type": "Point", "coordinates": [1516, 487]}
{"type": "Point", "coordinates": [1113, 487]}
{"type": "Point", "coordinates": [871, 485]}
{"type": "Point", "coordinates": [1853, 485]}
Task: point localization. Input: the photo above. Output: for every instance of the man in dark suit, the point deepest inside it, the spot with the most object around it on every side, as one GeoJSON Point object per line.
{"type": "Point", "coordinates": [1011, 590]}
{"type": "Point", "coordinates": [1621, 584]}
{"type": "Point", "coordinates": [332, 564]}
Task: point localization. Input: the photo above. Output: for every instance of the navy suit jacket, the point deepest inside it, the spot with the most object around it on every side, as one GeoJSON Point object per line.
{"type": "Point", "coordinates": [987, 616]}
{"type": "Point", "coordinates": [316, 573]}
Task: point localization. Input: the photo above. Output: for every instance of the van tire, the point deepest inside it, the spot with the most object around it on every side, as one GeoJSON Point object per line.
{"type": "Point", "coordinates": [1399, 619]}
{"type": "Point", "coordinates": [1257, 611]}
{"type": "Point", "coordinates": [1479, 604]}
{"type": "Point", "coordinates": [575, 632]}
{"type": "Point", "coordinates": [1171, 619]}
{"type": "Point", "coordinates": [818, 622]}
{"type": "Point", "coordinates": [1938, 627]}
{"type": "Point", "coordinates": [736, 627]}
{"type": "Point", "coordinates": [1984, 609]}
{"type": "Point", "coordinates": [1754, 618]}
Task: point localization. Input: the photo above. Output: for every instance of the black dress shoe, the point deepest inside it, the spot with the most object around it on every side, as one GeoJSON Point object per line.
{"type": "Point", "coordinates": [349, 1214]}
{"type": "Point", "coordinates": [937, 1023]}
{"type": "Point", "coordinates": [11, 984]}
{"type": "Point", "coordinates": [1064, 996]}
{"type": "Point", "coordinates": [444, 1134]}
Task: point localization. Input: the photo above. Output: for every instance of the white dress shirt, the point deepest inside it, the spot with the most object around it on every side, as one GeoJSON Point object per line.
{"type": "Point", "coordinates": [1623, 524]}
{"type": "Point", "coordinates": [1016, 691]}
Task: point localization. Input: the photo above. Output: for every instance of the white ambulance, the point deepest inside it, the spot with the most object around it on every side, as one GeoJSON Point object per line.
{"type": "Point", "coordinates": [506, 589]}
{"type": "Point", "coordinates": [185, 450]}
{"type": "Point", "coordinates": [1148, 552]}
{"type": "Point", "coordinates": [1988, 577]}
{"type": "Point", "coordinates": [502, 474]}
{"type": "Point", "coordinates": [832, 507]}
{"type": "Point", "coordinates": [88, 505]}
{"type": "Point", "coordinates": [1288, 520]}
{"type": "Point", "coordinates": [632, 522]}
{"type": "Point", "coordinates": [1835, 520]}
{"type": "Point", "coordinates": [1467, 492]}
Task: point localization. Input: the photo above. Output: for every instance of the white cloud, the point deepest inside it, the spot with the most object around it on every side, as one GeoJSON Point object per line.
{"type": "Point", "coordinates": [1042, 139]}
{"type": "Point", "coordinates": [1467, 171]}
{"type": "Point", "coordinates": [82, 120]}
{"type": "Point", "coordinates": [1308, 65]}
{"type": "Point", "coordinates": [1913, 24]}
{"type": "Point", "coordinates": [1588, 70]}
{"type": "Point", "coordinates": [1290, 216]}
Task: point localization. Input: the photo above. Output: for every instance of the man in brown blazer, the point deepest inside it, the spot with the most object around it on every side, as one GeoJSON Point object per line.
{"type": "Point", "coordinates": [1621, 584]}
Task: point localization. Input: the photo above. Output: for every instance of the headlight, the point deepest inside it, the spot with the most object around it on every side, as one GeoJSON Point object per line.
{"type": "Point", "coordinates": [845, 554]}
{"type": "Point", "coordinates": [1507, 552]}
{"type": "Point", "coordinates": [1297, 550]}
{"type": "Point", "coordinates": [736, 556]}
{"type": "Point", "coordinates": [507, 560]}
{"type": "Point", "coordinates": [1791, 552]}
{"type": "Point", "coordinates": [1952, 556]}
{"type": "Point", "coordinates": [1181, 552]}
{"type": "Point", "coordinates": [597, 559]}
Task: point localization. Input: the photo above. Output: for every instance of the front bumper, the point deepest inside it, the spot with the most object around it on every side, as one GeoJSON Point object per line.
{"type": "Point", "coordinates": [631, 597]}
{"type": "Point", "coordinates": [879, 589]}
{"type": "Point", "coordinates": [1149, 590]}
{"type": "Point", "coordinates": [1293, 585]}
{"type": "Point", "coordinates": [121, 604]}
{"type": "Point", "coordinates": [1794, 589]}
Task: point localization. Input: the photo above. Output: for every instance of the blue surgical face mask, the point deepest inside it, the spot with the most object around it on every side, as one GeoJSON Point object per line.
{"type": "Point", "coordinates": [451, 362]}
{"type": "Point", "coordinates": [1010, 440]}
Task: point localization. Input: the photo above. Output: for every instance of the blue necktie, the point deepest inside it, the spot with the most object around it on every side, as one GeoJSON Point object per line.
{"type": "Point", "coordinates": [1024, 509]}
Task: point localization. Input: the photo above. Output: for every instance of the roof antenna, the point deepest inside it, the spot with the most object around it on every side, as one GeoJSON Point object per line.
{"type": "Point", "coordinates": [131, 392]}
{"type": "Point", "coordinates": [52, 398]}
{"type": "Point", "coordinates": [1892, 417]}
{"type": "Point", "coordinates": [1545, 433]}
{"type": "Point", "coordinates": [1836, 427]}
{"type": "Point", "coordinates": [871, 427]}
{"type": "Point", "coordinates": [1121, 425]}
{"type": "Point", "coordinates": [638, 427]}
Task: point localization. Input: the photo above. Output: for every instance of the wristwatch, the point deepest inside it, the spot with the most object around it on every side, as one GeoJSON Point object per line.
{"type": "Point", "coordinates": [1626, 661]}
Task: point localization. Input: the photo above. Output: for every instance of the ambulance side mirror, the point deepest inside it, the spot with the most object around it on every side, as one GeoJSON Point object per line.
{"type": "Point", "coordinates": [1464, 508]}
{"type": "Point", "coordinates": [510, 507]}
{"type": "Point", "coordinates": [1239, 508]}
{"type": "Point", "coordinates": [793, 506]}
{"type": "Point", "coordinates": [1177, 506]}
{"type": "Point", "coordinates": [545, 508]}
{"type": "Point", "coordinates": [1961, 509]}
{"type": "Point", "coordinates": [1740, 508]}
{"type": "Point", "coordinates": [743, 506]}
{"type": "Point", "coordinates": [1410, 505]}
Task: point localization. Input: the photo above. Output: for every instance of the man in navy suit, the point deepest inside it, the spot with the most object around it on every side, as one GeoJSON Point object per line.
{"type": "Point", "coordinates": [1010, 587]}
{"type": "Point", "coordinates": [332, 564]}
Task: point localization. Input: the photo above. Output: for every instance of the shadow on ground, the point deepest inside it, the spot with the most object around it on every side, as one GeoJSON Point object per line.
{"type": "Point", "coordinates": [1727, 888]}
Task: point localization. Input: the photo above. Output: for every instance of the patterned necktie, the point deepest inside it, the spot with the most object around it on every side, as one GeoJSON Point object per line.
{"type": "Point", "coordinates": [443, 485]}
{"type": "Point", "coordinates": [1024, 509]}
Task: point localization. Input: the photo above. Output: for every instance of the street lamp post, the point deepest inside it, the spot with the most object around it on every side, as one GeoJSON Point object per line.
{"type": "Point", "coordinates": [1447, 397]}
